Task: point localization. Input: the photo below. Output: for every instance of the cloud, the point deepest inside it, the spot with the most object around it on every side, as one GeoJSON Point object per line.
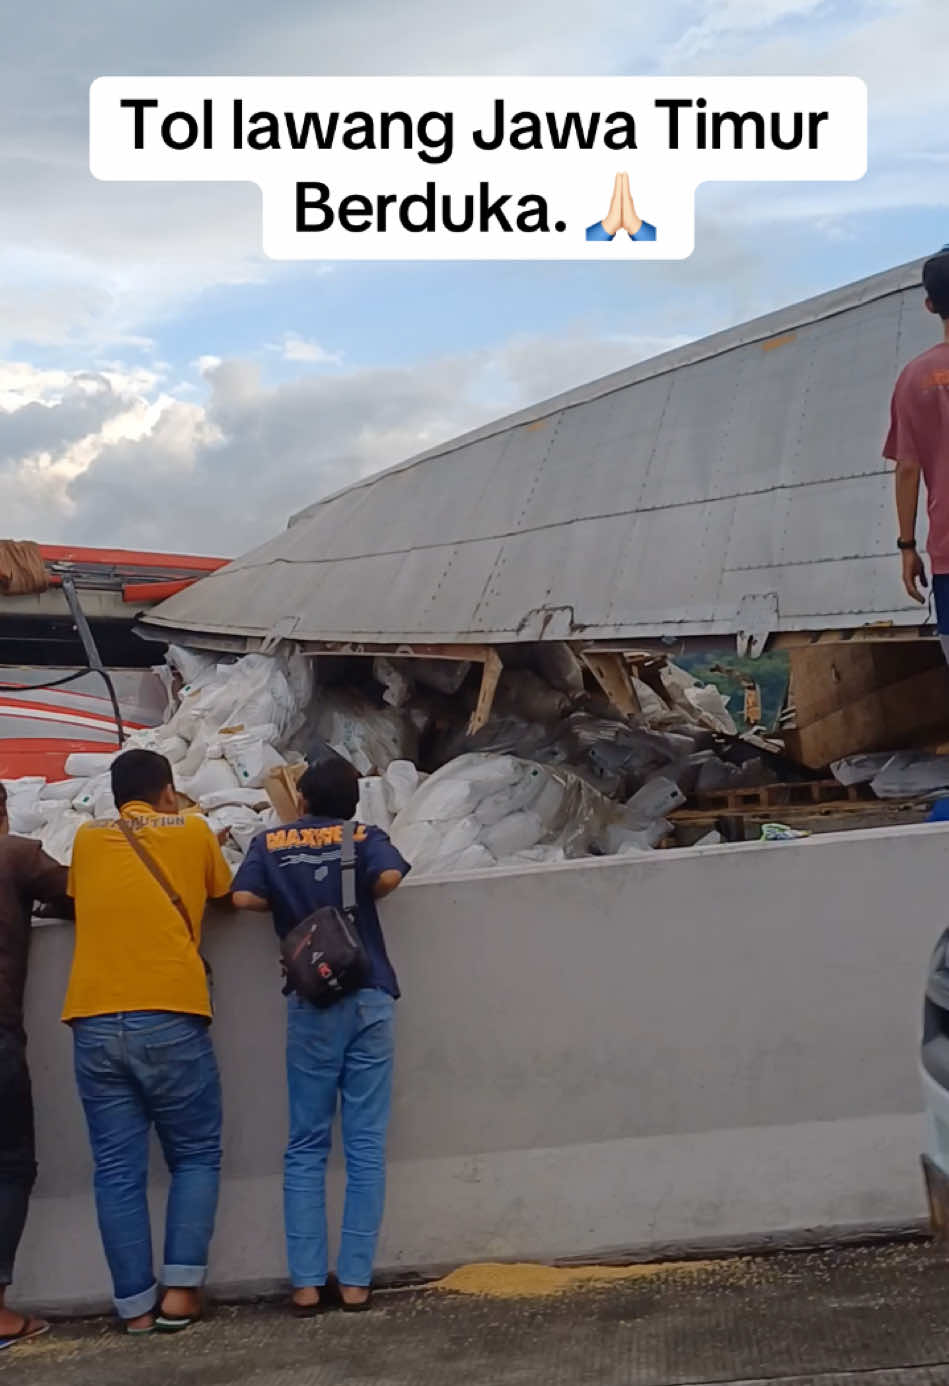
{"type": "Point", "coordinates": [128, 462]}
{"type": "Point", "coordinates": [297, 348]}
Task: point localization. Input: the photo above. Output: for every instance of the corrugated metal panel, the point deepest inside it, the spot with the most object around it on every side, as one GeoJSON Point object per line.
{"type": "Point", "coordinates": [654, 501]}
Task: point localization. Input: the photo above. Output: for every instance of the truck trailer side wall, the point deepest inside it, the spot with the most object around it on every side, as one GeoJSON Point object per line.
{"type": "Point", "coordinates": [715, 1043]}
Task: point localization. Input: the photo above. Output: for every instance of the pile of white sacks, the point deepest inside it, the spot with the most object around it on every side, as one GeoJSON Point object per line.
{"type": "Point", "coordinates": [226, 722]}
{"type": "Point", "coordinates": [230, 724]}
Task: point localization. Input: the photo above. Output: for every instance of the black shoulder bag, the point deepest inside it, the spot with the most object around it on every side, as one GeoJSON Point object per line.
{"type": "Point", "coordinates": [323, 956]}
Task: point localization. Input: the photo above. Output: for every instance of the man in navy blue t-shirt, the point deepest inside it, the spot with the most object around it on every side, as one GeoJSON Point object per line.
{"type": "Point", "coordinates": [344, 1052]}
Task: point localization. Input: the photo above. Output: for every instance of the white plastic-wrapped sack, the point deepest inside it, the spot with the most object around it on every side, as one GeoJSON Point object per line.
{"type": "Point", "coordinates": [372, 807]}
{"type": "Point", "coordinates": [458, 787]}
{"type": "Point", "coordinates": [212, 777]}
{"type": "Point", "coordinates": [104, 805]}
{"type": "Point", "coordinates": [251, 692]}
{"type": "Point", "coordinates": [369, 737]}
{"type": "Point", "coordinates": [656, 798]}
{"type": "Point", "coordinates": [397, 685]}
{"type": "Point", "coordinates": [250, 759]}
{"type": "Point", "coordinates": [520, 793]}
{"type": "Point", "coordinates": [910, 775]}
{"type": "Point", "coordinates": [513, 834]}
{"type": "Point", "coordinates": [85, 799]}
{"type": "Point", "coordinates": [860, 769]}
{"type": "Point", "coordinates": [242, 824]}
{"type": "Point", "coordinates": [196, 667]}
{"type": "Point", "coordinates": [248, 798]}
{"type": "Point", "coordinates": [173, 748]}
{"type": "Point", "coordinates": [541, 855]}
{"type": "Point", "coordinates": [430, 846]}
{"type": "Point", "coordinates": [27, 810]}
{"type": "Point", "coordinates": [399, 783]}
{"type": "Point", "coordinates": [475, 857]}
{"type": "Point", "coordinates": [85, 764]}
{"type": "Point", "coordinates": [63, 790]}
{"type": "Point", "coordinates": [60, 832]}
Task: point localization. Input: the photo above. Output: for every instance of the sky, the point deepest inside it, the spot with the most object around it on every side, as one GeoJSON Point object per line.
{"type": "Point", "coordinates": [164, 386]}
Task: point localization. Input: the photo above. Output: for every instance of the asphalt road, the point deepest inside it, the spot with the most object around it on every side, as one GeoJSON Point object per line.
{"type": "Point", "coordinates": [857, 1317]}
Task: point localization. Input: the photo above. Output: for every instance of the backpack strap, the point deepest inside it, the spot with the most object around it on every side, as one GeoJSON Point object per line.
{"type": "Point", "coordinates": [348, 867]}
{"type": "Point", "coordinates": [151, 865]}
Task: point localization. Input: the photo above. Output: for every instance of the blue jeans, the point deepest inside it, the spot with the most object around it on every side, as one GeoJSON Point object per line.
{"type": "Point", "coordinates": [345, 1051]}
{"type": "Point", "coordinates": [133, 1070]}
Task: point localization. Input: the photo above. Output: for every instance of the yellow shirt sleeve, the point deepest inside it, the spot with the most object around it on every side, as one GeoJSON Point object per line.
{"type": "Point", "coordinates": [217, 873]}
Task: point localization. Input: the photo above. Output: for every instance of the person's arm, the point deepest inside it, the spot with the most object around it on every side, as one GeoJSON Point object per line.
{"type": "Point", "coordinates": [384, 866]}
{"type": "Point", "coordinates": [907, 501]}
{"type": "Point", "coordinates": [386, 882]}
{"type": "Point", "coordinates": [217, 873]}
{"type": "Point", "coordinates": [900, 448]}
{"type": "Point", "coordinates": [250, 890]}
{"type": "Point", "coordinates": [48, 882]}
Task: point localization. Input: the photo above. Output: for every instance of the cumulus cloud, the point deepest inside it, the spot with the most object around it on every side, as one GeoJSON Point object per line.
{"type": "Point", "coordinates": [297, 348]}
{"type": "Point", "coordinates": [124, 460]}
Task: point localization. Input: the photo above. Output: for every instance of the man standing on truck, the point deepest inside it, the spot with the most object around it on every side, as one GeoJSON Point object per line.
{"type": "Point", "coordinates": [918, 442]}
{"type": "Point", "coordinates": [27, 874]}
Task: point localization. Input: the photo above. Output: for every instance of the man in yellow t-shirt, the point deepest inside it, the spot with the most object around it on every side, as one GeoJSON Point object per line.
{"type": "Point", "coordinates": [139, 1009]}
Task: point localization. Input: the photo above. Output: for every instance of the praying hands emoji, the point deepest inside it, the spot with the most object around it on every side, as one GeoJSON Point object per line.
{"type": "Point", "coordinates": [622, 214]}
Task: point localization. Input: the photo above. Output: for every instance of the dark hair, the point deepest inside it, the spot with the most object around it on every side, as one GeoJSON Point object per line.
{"type": "Point", "coordinates": [3, 798]}
{"type": "Point", "coordinates": [140, 775]}
{"type": "Point", "coordinates": [936, 282]}
{"type": "Point", "coordinates": [330, 789]}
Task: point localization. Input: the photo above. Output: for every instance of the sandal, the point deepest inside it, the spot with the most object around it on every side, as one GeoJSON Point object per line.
{"type": "Point", "coordinates": [360, 1307]}
{"type": "Point", "coordinates": [176, 1323]}
{"type": "Point", "coordinates": [29, 1329]}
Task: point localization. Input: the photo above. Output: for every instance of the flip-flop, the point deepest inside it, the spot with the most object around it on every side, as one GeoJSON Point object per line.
{"type": "Point", "coordinates": [308, 1311]}
{"type": "Point", "coordinates": [30, 1329]}
{"type": "Point", "coordinates": [176, 1323]}
{"type": "Point", "coordinates": [362, 1307]}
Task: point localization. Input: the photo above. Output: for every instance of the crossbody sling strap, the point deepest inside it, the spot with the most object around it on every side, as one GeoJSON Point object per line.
{"type": "Point", "coordinates": [151, 865]}
{"type": "Point", "coordinates": [154, 870]}
{"type": "Point", "coordinates": [347, 868]}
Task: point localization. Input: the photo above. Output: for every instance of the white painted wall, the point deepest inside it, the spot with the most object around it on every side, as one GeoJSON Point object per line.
{"type": "Point", "coordinates": [715, 1043]}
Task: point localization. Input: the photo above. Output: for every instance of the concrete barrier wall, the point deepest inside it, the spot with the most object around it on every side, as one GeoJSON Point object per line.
{"type": "Point", "coordinates": [715, 1043]}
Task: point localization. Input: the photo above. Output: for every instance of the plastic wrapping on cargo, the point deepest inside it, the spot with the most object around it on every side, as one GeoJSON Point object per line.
{"type": "Point", "coordinates": [444, 675]}
{"type": "Point", "coordinates": [860, 769]}
{"type": "Point", "coordinates": [443, 818]}
{"type": "Point", "coordinates": [369, 737]}
{"type": "Point", "coordinates": [219, 798]}
{"type": "Point", "coordinates": [910, 775]}
{"type": "Point", "coordinates": [250, 758]}
{"type": "Point", "coordinates": [396, 684]}
{"type": "Point", "coordinates": [83, 764]}
{"type": "Point", "coordinates": [85, 798]}
{"type": "Point", "coordinates": [656, 798]}
{"type": "Point", "coordinates": [372, 806]}
{"type": "Point", "coordinates": [241, 823]}
{"type": "Point", "coordinates": [195, 667]}
{"type": "Point", "coordinates": [622, 837]}
{"type": "Point", "coordinates": [399, 782]}
{"type": "Point", "coordinates": [524, 694]}
{"type": "Point", "coordinates": [59, 833]}
{"type": "Point", "coordinates": [557, 663]}
{"type": "Point", "coordinates": [210, 778]}
{"type": "Point", "coordinates": [249, 692]}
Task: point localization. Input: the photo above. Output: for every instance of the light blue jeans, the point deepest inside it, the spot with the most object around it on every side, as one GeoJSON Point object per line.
{"type": "Point", "coordinates": [344, 1052]}
{"type": "Point", "coordinates": [133, 1070]}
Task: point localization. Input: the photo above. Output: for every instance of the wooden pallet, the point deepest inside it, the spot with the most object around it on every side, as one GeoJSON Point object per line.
{"type": "Point", "coordinates": [803, 794]}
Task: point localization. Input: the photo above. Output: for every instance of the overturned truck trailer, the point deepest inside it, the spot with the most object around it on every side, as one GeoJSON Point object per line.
{"type": "Point", "coordinates": [729, 492]}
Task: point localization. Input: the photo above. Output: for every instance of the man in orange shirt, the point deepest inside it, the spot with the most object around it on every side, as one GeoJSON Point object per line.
{"type": "Point", "coordinates": [139, 1008]}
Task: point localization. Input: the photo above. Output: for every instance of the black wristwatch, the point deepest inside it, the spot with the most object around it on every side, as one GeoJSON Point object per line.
{"type": "Point", "coordinates": [906, 545]}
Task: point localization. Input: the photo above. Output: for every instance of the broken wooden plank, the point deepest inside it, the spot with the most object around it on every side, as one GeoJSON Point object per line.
{"type": "Point", "coordinates": [613, 676]}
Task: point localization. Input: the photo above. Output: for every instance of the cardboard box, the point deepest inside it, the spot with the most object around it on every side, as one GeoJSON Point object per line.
{"type": "Point", "coordinates": [281, 787]}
